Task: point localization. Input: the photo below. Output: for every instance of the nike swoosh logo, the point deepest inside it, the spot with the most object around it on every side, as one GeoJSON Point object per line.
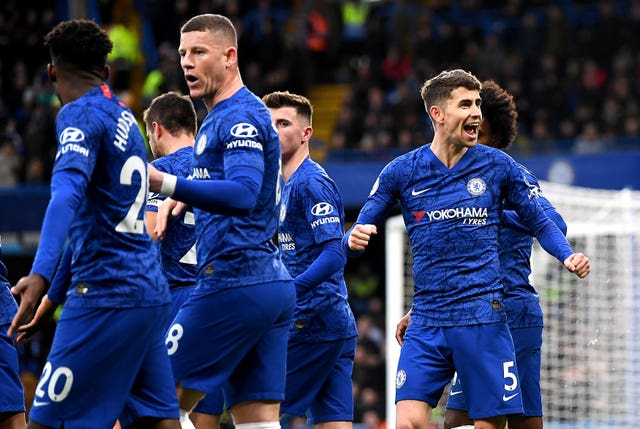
{"type": "Point", "coordinates": [455, 393]}
{"type": "Point", "coordinates": [506, 398]}
{"type": "Point", "coordinates": [415, 193]}
{"type": "Point", "coordinates": [37, 403]}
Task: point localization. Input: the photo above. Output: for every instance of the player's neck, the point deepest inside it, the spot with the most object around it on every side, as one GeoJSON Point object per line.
{"type": "Point", "coordinates": [448, 153]}
{"type": "Point", "coordinates": [228, 88]}
{"type": "Point", "coordinates": [174, 144]}
{"type": "Point", "coordinates": [291, 164]}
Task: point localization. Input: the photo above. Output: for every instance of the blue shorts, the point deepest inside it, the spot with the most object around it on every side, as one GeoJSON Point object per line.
{"type": "Point", "coordinates": [528, 342]}
{"type": "Point", "coordinates": [319, 381]}
{"type": "Point", "coordinates": [99, 357]}
{"type": "Point", "coordinates": [213, 402]}
{"type": "Point", "coordinates": [235, 339]}
{"type": "Point", "coordinates": [483, 356]}
{"type": "Point", "coordinates": [12, 397]}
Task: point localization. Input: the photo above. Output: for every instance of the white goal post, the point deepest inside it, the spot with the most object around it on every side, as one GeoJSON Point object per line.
{"type": "Point", "coordinates": [591, 345]}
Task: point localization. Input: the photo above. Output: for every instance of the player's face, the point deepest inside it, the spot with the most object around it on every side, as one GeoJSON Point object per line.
{"type": "Point", "coordinates": [462, 117]}
{"type": "Point", "coordinates": [202, 58]}
{"type": "Point", "coordinates": [294, 131]}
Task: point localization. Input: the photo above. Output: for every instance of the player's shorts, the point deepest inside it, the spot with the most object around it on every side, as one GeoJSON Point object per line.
{"type": "Point", "coordinates": [12, 397]}
{"type": "Point", "coordinates": [483, 356]}
{"type": "Point", "coordinates": [527, 342]}
{"type": "Point", "coordinates": [213, 402]}
{"type": "Point", "coordinates": [234, 338]}
{"type": "Point", "coordinates": [319, 381]}
{"type": "Point", "coordinates": [99, 357]}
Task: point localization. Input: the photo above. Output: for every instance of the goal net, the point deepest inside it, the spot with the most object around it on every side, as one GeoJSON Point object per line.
{"type": "Point", "coordinates": [590, 375]}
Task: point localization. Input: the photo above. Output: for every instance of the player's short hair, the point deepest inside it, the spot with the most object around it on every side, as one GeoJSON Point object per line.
{"type": "Point", "coordinates": [499, 109]}
{"type": "Point", "coordinates": [214, 23]}
{"type": "Point", "coordinates": [438, 89]}
{"type": "Point", "coordinates": [173, 111]}
{"type": "Point", "coordinates": [278, 99]}
{"type": "Point", "coordinates": [79, 43]}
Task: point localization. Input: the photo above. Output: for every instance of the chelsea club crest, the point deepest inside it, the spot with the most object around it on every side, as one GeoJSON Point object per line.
{"type": "Point", "coordinates": [476, 186]}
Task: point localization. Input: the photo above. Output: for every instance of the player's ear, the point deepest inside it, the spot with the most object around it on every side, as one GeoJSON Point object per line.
{"type": "Point", "coordinates": [306, 134]}
{"type": "Point", "coordinates": [107, 73]}
{"type": "Point", "coordinates": [232, 56]}
{"type": "Point", "coordinates": [157, 129]}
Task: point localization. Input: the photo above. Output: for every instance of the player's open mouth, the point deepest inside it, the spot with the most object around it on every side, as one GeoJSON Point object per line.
{"type": "Point", "coordinates": [191, 78]}
{"type": "Point", "coordinates": [472, 129]}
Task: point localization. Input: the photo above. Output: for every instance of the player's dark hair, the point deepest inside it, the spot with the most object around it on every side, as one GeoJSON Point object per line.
{"type": "Point", "coordinates": [278, 99]}
{"type": "Point", "coordinates": [438, 89]}
{"type": "Point", "coordinates": [499, 109]}
{"type": "Point", "coordinates": [80, 43]}
{"type": "Point", "coordinates": [173, 111]}
{"type": "Point", "coordinates": [214, 23]}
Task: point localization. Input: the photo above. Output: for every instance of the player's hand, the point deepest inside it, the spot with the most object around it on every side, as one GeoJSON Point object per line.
{"type": "Point", "coordinates": [29, 289]}
{"type": "Point", "coordinates": [401, 328]}
{"type": "Point", "coordinates": [578, 264]}
{"type": "Point", "coordinates": [360, 236]}
{"type": "Point", "coordinates": [155, 179]}
{"type": "Point", "coordinates": [168, 208]}
{"type": "Point", "coordinates": [44, 313]}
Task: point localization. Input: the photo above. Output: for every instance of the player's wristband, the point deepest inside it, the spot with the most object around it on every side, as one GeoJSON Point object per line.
{"type": "Point", "coordinates": [168, 186]}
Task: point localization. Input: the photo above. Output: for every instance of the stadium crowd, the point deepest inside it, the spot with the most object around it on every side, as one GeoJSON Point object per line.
{"type": "Point", "coordinates": [572, 66]}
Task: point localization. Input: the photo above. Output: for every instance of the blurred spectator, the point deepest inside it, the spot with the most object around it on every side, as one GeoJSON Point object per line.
{"type": "Point", "coordinates": [589, 140]}
{"type": "Point", "coordinates": [10, 163]}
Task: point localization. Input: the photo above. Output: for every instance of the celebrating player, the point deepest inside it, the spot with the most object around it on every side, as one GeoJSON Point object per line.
{"type": "Point", "coordinates": [232, 330]}
{"type": "Point", "coordinates": [109, 338]}
{"type": "Point", "coordinates": [451, 193]}
{"type": "Point", "coordinates": [524, 316]}
{"type": "Point", "coordinates": [322, 337]}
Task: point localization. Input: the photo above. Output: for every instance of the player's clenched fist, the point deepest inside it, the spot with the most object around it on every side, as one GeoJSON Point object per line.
{"type": "Point", "coordinates": [360, 236]}
{"type": "Point", "coordinates": [578, 264]}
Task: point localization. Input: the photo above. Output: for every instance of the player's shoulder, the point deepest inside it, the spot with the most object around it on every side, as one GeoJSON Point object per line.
{"type": "Point", "coordinates": [310, 174]}
{"type": "Point", "coordinates": [528, 174]}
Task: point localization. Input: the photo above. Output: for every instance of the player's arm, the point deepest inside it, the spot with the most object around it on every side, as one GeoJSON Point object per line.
{"type": "Point", "coordinates": [547, 232]}
{"type": "Point", "coordinates": [54, 297]}
{"type": "Point", "coordinates": [67, 188]}
{"type": "Point", "coordinates": [330, 260]}
{"type": "Point", "coordinates": [382, 198]}
{"type": "Point", "coordinates": [237, 195]}
{"type": "Point", "coordinates": [151, 214]}
{"type": "Point", "coordinates": [510, 218]}
{"type": "Point", "coordinates": [401, 327]}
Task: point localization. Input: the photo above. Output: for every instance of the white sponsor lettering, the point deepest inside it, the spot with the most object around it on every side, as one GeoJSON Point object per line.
{"type": "Point", "coordinates": [325, 220]}
{"type": "Point", "coordinates": [457, 213]}
{"type": "Point", "coordinates": [200, 173]}
{"type": "Point", "coordinates": [244, 143]}
{"type": "Point", "coordinates": [284, 237]}
{"type": "Point", "coordinates": [72, 147]}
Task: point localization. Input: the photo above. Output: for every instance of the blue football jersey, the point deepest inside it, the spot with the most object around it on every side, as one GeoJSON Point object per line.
{"type": "Point", "coordinates": [311, 212]}
{"type": "Point", "coordinates": [520, 296]}
{"type": "Point", "coordinates": [452, 217]}
{"type": "Point", "coordinates": [99, 137]}
{"type": "Point", "coordinates": [8, 305]}
{"type": "Point", "coordinates": [178, 248]}
{"type": "Point", "coordinates": [239, 250]}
